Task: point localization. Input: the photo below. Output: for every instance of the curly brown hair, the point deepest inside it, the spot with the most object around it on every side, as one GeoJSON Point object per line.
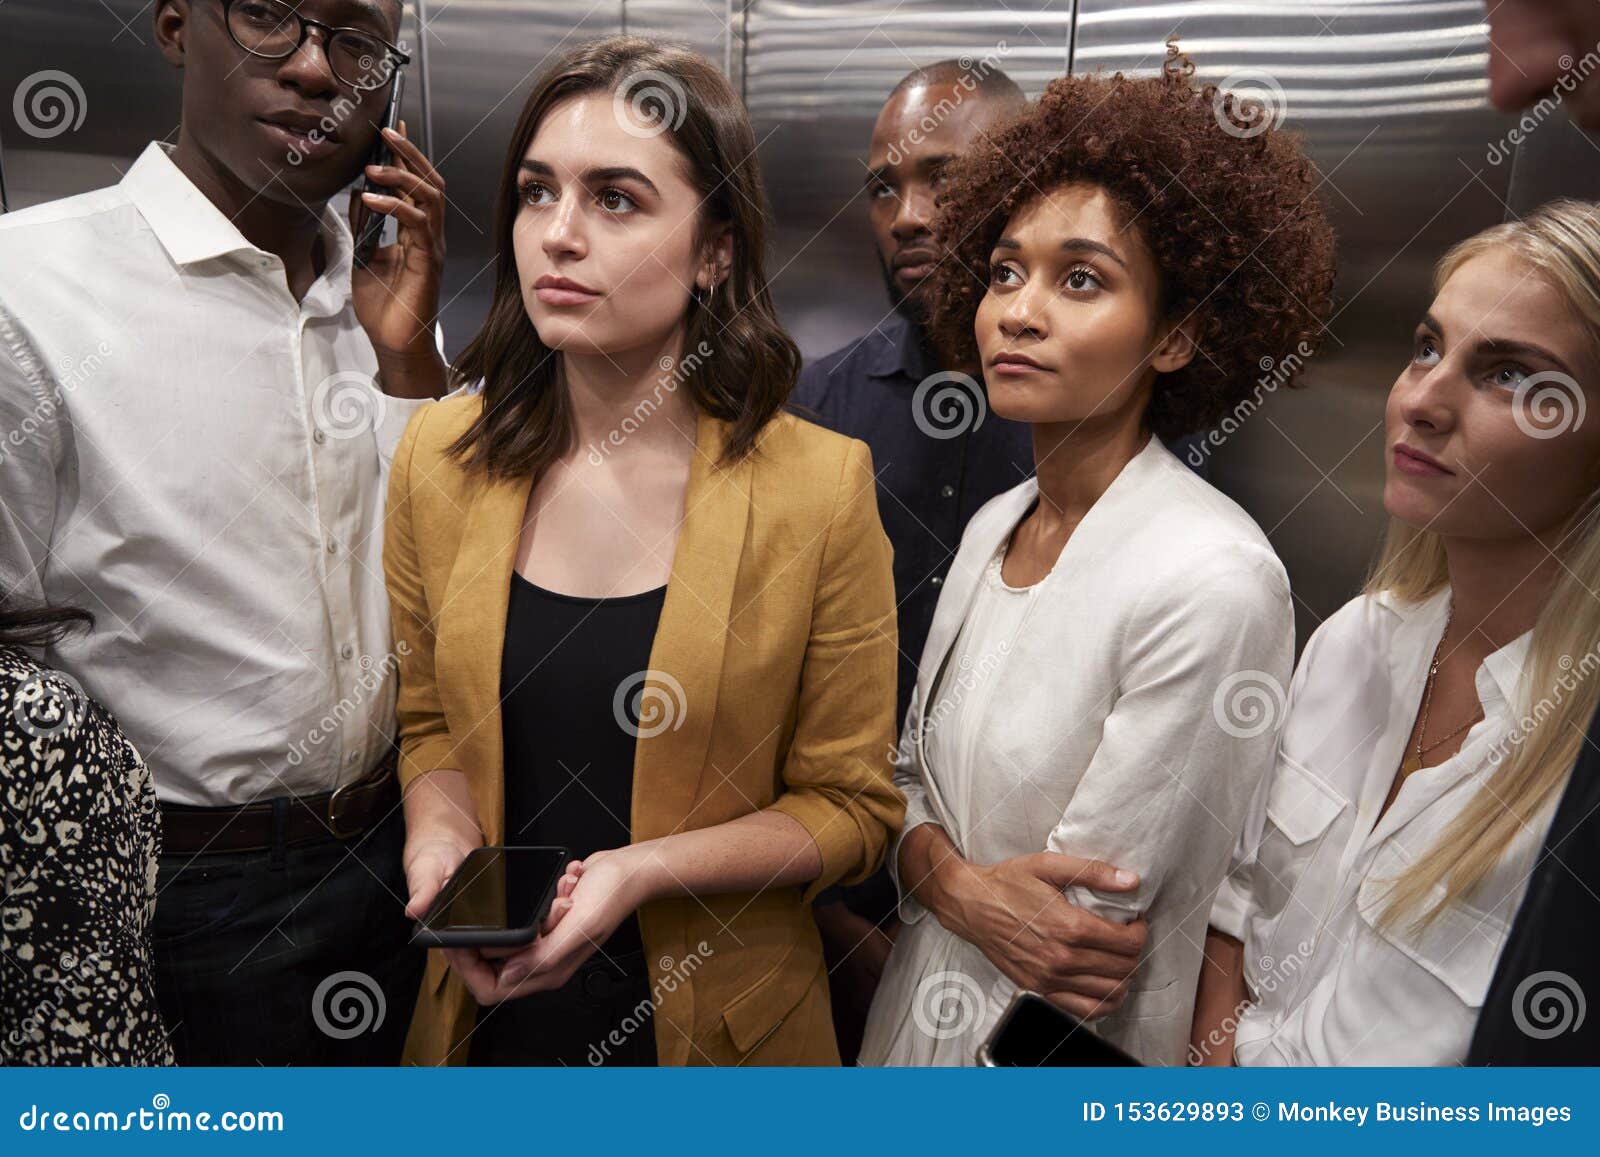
{"type": "Point", "coordinates": [1229, 216]}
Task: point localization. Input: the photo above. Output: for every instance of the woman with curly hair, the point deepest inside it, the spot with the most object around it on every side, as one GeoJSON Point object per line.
{"type": "Point", "coordinates": [1088, 728]}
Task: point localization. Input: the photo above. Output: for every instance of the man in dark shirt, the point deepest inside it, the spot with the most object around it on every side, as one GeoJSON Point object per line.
{"type": "Point", "coordinates": [939, 453]}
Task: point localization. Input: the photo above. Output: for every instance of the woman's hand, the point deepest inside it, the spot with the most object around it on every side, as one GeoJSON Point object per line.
{"type": "Point", "coordinates": [1014, 912]}
{"type": "Point", "coordinates": [441, 829]}
{"type": "Point", "coordinates": [593, 898]}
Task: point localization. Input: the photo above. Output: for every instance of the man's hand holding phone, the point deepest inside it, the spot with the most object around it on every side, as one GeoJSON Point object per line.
{"type": "Point", "coordinates": [396, 288]}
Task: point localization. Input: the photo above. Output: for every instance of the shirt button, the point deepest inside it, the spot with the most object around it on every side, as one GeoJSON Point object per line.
{"type": "Point", "coordinates": [318, 436]}
{"type": "Point", "coordinates": [937, 580]}
{"type": "Point", "coordinates": [351, 758]}
{"type": "Point", "coordinates": [333, 547]}
{"type": "Point", "coordinates": [347, 652]}
{"type": "Point", "coordinates": [944, 491]}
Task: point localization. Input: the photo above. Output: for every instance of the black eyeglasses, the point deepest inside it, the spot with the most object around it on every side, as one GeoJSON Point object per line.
{"type": "Point", "coordinates": [272, 30]}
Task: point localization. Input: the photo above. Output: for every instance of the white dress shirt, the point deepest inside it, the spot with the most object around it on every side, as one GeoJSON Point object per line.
{"type": "Point", "coordinates": [200, 460]}
{"type": "Point", "coordinates": [1332, 985]}
{"type": "Point", "coordinates": [1096, 713]}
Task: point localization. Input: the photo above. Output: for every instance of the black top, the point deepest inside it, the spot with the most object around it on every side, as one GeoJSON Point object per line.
{"type": "Point", "coordinates": [570, 676]}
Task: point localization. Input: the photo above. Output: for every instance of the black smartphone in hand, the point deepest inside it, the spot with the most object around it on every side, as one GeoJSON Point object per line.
{"type": "Point", "coordinates": [371, 223]}
{"type": "Point", "coordinates": [1033, 1033]}
{"type": "Point", "coordinates": [498, 897]}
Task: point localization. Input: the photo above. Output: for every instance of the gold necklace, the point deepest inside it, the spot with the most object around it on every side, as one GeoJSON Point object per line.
{"type": "Point", "coordinates": [1413, 761]}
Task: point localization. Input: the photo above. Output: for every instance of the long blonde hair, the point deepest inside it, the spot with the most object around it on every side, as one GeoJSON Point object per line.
{"type": "Point", "coordinates": [1561, 239]}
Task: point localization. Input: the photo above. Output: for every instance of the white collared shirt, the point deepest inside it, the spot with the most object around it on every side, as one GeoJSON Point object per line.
{"type": "Point", "coordinates": [1332, 984]}
{"type": "Point", "coordinates": [200, 460]}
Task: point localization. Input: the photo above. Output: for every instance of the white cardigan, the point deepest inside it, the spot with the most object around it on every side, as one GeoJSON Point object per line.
{"type": "Point", "coordinates": [1132, 719]}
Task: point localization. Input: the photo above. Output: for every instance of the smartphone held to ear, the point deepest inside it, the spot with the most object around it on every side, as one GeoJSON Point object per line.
{"type": "Point", "coordinates": [371, 224]}
{"type": "Point", "coordinates": [498, 897]}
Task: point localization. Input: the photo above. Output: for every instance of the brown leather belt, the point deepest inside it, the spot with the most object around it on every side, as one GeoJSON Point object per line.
{"type": "Point", "coordinates": [341, 814]}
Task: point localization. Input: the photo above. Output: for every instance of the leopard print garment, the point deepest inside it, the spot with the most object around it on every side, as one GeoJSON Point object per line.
{"type": "Point", "coordinates": [79, 836]}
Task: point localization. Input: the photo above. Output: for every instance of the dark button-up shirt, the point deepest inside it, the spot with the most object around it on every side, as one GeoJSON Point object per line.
{"type": "Point", "coordinates": [929, 483]}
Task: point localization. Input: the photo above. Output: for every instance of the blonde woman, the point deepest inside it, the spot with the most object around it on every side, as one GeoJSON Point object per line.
{"type": "Point", "coordinates": [1433, 720]}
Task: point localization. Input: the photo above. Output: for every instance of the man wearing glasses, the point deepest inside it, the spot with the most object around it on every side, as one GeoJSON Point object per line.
{"type": "Point", "coordinates": [200, 389]}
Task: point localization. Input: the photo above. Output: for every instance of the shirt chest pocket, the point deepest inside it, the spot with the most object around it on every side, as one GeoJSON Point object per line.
{"type": "Point", "coordinates": [1459, 947]}
{"type": "Point", "coordinates": [1301, 810]}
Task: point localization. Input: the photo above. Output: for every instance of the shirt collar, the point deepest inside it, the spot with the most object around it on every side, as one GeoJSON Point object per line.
{"type": "Point", "coordinates": [193, 229]}
{"type": "Point", "coordinates": [900, 353]}
{"type": "Point", "coordinates": [1498, 678]}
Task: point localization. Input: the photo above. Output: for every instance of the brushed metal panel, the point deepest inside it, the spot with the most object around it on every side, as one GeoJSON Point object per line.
{"type": "Point", "coordinates": [483, 58]}
{"type": "Point", "coordinates": [816, 75]}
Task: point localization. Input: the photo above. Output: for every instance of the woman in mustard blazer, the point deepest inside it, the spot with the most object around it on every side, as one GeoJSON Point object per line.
{"type": "Point", "coordinates": [638, 610]}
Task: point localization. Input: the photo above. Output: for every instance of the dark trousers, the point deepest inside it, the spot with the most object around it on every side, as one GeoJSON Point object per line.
{"type": "Point", "coordinates": [293, 956]}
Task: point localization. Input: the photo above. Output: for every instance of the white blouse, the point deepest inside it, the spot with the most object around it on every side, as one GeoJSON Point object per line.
{"type": "Point", "coordinates": [1331, 984]}
{"type": "Point", "coordinates": [1106, 712]}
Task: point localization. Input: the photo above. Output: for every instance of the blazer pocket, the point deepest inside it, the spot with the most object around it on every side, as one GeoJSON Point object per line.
{"type": "Point", "coordinates": [751, 1016]}
{"type": "Point", "coordinates": [1299, 804]}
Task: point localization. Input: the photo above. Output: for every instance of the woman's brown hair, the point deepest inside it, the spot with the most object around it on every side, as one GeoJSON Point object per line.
{"type": "Point", "coordinates": [526, 423]}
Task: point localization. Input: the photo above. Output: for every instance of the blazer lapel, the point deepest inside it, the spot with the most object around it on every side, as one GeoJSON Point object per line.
{"type": "Point", "coordinates": [679, 695]}
{"type": "Point", "coordinates": [471, 636]}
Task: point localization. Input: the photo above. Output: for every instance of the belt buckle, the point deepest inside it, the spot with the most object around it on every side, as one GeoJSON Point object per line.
{"type": "Point", "coordinates": [333, 810]}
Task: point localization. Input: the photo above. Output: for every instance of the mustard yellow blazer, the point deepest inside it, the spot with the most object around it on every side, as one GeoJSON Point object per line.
{"type": "Point", "coordinates": [779, 628]}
